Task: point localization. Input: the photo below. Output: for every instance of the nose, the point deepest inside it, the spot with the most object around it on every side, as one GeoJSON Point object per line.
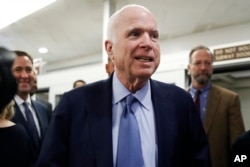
{"type": "Point", "coordinates": [203, 66]}
{"type": "Point", "coordinates": [146, 41]}
{"type": "Point", "coordinates": [24, 74]}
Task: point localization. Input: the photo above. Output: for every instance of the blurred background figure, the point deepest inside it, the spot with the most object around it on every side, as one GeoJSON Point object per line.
{"type": "Point", "coordinates": [14, 144]}
{"type": "Point", "coordinates": [37, 99]}
{"type": "Point", "coordinates": [218, 108]}
{"type": "Point", "coordinates": [109, 67]}
{"type": "Point", "coordinates": [79, 83]}
{"type": "Point", "coordinates": [241, 148]}
{"type": "Point", "coordinates": [8, 83]}
{"type": "Point", "coordinates": [33, 116]}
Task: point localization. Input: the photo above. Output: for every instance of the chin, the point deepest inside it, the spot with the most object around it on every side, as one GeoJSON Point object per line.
{"type": "Point", "coordinates": [25, 90]}
{"type": "Point", "coordinates": [144, 75]}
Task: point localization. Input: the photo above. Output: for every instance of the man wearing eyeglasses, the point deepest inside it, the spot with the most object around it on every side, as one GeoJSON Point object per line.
{"type": "Point", "coordinates": [219, 108]}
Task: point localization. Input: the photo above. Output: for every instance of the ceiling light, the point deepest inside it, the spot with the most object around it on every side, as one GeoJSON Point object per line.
{"type": "Point", "coordinates": [43, 50]}
{"type": "Point", "coordinates": [13, 10]}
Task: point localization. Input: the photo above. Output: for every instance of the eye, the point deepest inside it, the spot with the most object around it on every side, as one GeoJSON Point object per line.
{"type": "Point", "coordinates": [197, 63]}
{"type": "Point", "coordinates": [208, 63]}
{"type": "Point", "coordinates": [29, 70]}
{"type": "Point", "coordinates": [17, 69]}
{"type": "Point", "coordinates": [135, 33]}
{"type": "Point", "coordinates": [154, 35]}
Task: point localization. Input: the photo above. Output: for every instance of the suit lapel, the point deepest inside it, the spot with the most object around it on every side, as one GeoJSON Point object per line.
{"type": "Point", "coordinates": [211, 107]}
{"type": "Point", "coordinates": [165, 125]}
{"type": "Point", "coordinates": [18, 117]}
{"type": "Point", "coordinates": [100, 121]}
{"type": "Point", "coordinates": [39, 117]}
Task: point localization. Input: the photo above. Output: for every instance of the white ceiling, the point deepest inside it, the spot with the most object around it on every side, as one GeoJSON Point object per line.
{"type": "Point", "coordinates": [72, 29]}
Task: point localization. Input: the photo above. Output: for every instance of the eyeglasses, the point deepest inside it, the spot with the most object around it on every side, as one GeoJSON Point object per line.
{"type": "Point", "coordinates": [206, 63]}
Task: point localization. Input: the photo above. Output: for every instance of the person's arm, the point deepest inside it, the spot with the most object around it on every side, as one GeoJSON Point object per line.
{"type": "Point", "coordinates": [235, 118]}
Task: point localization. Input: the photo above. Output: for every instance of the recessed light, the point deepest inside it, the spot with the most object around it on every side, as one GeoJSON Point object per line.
{"type": "Point", "coordinates": [43, 50]}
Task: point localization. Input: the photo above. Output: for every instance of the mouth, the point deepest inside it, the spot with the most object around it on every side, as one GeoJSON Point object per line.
{"type": "Point", "coordinates": [204, 74]}
{"type": "Point", "coordinates": [144, 59]}
{"type": "Point", "coordinates": [23, 83]}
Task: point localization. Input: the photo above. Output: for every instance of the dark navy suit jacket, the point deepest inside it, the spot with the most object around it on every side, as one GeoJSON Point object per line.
{"type": "Point", "coordinates": [44, 117]}
{"type": "Point", "coordinates": [80, 133]}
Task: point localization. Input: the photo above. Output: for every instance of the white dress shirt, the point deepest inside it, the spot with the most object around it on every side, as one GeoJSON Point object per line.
{"type": "Point", "coordinates": [19, 102]}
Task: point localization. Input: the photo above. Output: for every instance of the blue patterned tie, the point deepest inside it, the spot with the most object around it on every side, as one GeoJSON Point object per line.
{"type": "Point", "coordinates": [129, 152]}
{"type": "Point", "coordinates": [31, 125]}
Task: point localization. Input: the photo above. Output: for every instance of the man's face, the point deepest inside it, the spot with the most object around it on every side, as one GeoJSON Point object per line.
{"type": "Point", "coordinates": [135, 46]}
{"type": "Point", "coordinates": [22, 69]}
{"type": "Point", "coordinates": [200, 67]}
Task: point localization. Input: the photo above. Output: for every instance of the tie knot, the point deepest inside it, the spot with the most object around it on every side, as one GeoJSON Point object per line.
{"type": "Point", "coordinates": [130, 99]}
{"type": "Point", "coordinates": [197, 93]}
{"type": "Point", "coordinates": [25, 104]}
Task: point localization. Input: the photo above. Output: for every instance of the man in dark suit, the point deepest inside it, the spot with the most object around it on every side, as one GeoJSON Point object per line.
{"type": "Point", "coordinates": [88, 122]}
{"type": "Point", "coordinates": [22, 69]}
{"type": "Point", "coordinates": [219, 108]}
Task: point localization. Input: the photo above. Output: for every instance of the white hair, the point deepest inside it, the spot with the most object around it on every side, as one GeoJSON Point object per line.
{"type": "Point", "coordinates": [113, 19]}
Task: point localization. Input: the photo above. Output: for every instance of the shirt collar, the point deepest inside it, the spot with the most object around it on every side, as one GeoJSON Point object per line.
{"type": "Point", "coordinates": [20, 101]}
{"type": "Point", "coordinates": [120, 91]}
{"type": "Point", "coordinates": [206, 88]}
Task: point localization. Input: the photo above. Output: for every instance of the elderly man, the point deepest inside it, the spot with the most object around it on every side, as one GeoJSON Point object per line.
{"type": "Point", "coordinates": [129, 119]}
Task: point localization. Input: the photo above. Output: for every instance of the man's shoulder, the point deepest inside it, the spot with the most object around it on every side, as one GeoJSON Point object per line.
{"type": "Point", "coordinates": [44, 103]}
{"type": "Point", "coordinates": [169, 87]}
{"type": "Point", "coordinates": [161, 83]}
{"type": "Point", "coordinates": [90, 90]}
{"type": "Point", "coordinates": [40, 106]}
{"type": "Point", "coordinates": [94, 86]}
{"type": "Point", "coordinates": [223, 90]}
{"type": "Point", "coordinates": [166, 84]}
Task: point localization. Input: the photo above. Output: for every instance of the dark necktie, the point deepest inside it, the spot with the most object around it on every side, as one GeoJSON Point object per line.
{"type": "Point", "coordinates": [129, 152]}
{"type": "Point", "coordinates": [31, 124]}
{"type": "Point", "coordinates": [197, 100]}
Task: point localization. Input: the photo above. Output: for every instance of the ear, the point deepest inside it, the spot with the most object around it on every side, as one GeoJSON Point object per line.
{"type": "Point", "coordinates": [188, 69]}
{"type": "Point", "coordinates": [108, 47]}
